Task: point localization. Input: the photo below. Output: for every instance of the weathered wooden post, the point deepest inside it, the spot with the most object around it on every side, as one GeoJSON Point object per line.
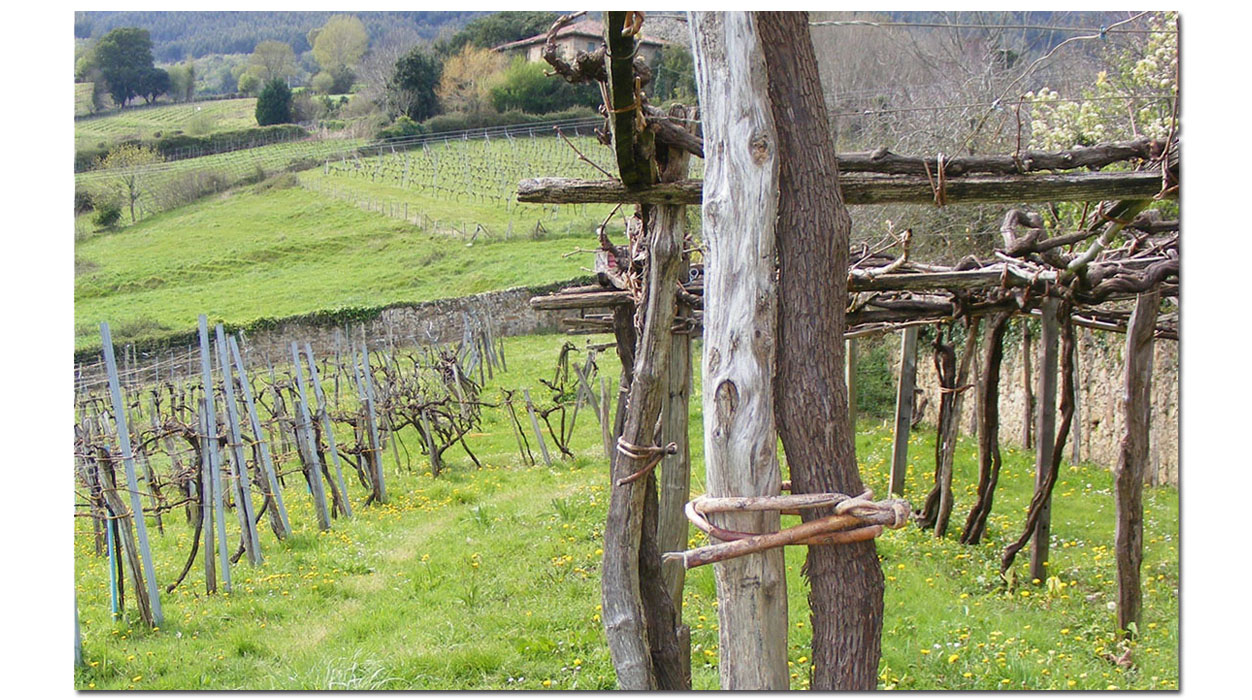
{"type": "Point", "coordinates": [1132, 458]}
{"type": "Point", "coordinates": [278, 510]}
{"type": "Point", "coordinates": [904, 410]}
{"type": "Point", "coordinates": [740, 317]}
{"type": "Point", "coordinates": [247, 520]}
{"type": "Point", "coordinates": [328, 429]}
{"type": "Point", "coordinates": [213, 457]}
{"type": "Point", "coordinates": [1045, 434]}
{"type": "Point", "coordinates": [304, 444]}
{"type": "Point", "coordinates": [1028, 402]}
{"type": "Point", "coordinates": [132, 484]}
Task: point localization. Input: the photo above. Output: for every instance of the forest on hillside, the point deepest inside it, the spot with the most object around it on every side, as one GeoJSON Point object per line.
{"type": "Point", "coordinates": [177, 36]}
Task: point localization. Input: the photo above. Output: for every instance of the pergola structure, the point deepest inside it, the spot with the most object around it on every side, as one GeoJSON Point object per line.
{"type": "Point", "coordinates": [651, 298]}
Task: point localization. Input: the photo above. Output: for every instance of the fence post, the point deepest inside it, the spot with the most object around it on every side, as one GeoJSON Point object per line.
{"type": "Point", "coordinates": [904, 410]}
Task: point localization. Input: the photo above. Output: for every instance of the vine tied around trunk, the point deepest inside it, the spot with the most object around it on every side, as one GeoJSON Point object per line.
{"type": "Point", "coordinates": [855, 519]}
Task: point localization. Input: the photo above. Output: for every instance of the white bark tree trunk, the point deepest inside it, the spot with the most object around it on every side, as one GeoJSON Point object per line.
{"type": "Point", "coordinates": [740, 301]}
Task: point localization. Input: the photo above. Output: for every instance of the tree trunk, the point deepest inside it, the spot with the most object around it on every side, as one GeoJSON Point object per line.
{"type": "Point", "coordinates": [740, 442]}
{"type": "Point", "coordinates": [1132, 459]}
{"type": "Point", "coordinates": [846, 597]}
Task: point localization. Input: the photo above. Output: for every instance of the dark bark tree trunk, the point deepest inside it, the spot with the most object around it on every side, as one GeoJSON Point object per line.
{"type": "Point", "coordinates": [811, 402]}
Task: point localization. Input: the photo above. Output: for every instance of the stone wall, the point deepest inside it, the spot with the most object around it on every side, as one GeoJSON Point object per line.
{"type": "Point", "coordinates": [508, 313]}
{"type": "Point", "coordinates": [1099, 418]}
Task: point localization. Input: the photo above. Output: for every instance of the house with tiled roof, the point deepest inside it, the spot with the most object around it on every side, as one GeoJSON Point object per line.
{"type": "Point", "coordinates": [586, 35]}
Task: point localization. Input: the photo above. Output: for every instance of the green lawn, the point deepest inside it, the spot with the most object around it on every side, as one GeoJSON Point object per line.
{"type": "Point", "coordinates": [488, 579]}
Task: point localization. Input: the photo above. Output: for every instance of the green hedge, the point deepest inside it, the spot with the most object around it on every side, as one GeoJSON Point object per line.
{"type": "Point", "coordinates": [180, 145]}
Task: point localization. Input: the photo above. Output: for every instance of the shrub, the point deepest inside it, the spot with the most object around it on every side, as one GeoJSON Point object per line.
{"type": "Point", "coordinates": [107, 214]}
{"type": "Point", "coordinates": [83, 202]}
{"type": "Point", "coordinates": [402, 127]}
{"type": "Point", "coordinates": [273, 106]}
{"type": "Point", "coordinates": [527, 88]}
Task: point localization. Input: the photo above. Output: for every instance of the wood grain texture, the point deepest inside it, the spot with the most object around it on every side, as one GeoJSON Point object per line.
{"type": "Point", "coordinates": [740, 442]}
{"type": "Point", "coordinates": [1132, 459]}
{"type": "Point", "coordinates": [860, 189]}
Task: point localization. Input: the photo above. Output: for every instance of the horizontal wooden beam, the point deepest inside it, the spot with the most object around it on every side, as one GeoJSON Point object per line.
{"type": "Point", "coordinates": [874, 189]}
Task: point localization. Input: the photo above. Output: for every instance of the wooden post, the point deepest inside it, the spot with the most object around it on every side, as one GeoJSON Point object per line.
{"type": "Point", "coordinates": [1076, 432]}
{"type": "Point", "coordinates": [247, 519]}
{"type": "Point", "coordinates": [376, 454]}
{"type": "Point", "coordinates": [1045, 435]}
{"type": "Point", "coordinates": [1028, 403]}
{"type": "Point", "coordinates": [136, 507]}
{"type": "Point", "coordinates": [1132, 459]}
{"type": "Point", "coordinates": [206, 496]}
{"type": "Point", "coordinates": [675, 481]}
{"type": "Point", "coordinates": [214, 457]}
{"type": "Point", "coordinates": [278, 511]}
{"type": "Point", "coordinates": [534, 423]}
{"type": "Point", "coordinates": [304, 439]}
{"type": "Point", "coordinates": [606, 423]}
{"type": "Point", "coordinates": [904, 410]}
{"type": "Point", "coordinates": [740, 318]}
{"type": "Point", "coordinates": [328, 429]}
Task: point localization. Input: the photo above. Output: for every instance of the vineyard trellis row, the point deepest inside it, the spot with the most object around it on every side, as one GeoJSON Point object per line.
{"type": "Point", "coordinates": [231, 438]}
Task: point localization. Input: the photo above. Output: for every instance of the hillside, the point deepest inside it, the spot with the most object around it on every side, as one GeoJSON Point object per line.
{"type": "Point", "coordinates": [180, 35]}
{"type": "Point", "coordinates": [277, 250]}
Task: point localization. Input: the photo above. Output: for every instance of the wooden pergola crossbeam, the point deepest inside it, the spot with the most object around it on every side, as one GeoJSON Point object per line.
{"type": "Point", "coordinates": [859, 189]}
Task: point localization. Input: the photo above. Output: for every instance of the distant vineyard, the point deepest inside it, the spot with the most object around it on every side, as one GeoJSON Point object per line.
{"type": "Point", "coordinates": [144, 122]}
{"type": "Point", "coordinates": [483, 170]}
{"type": "Point", "coordinates": [171, 184]}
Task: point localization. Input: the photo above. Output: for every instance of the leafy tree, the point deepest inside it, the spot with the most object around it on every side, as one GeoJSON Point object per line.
{"type": "Point", "coordinates": [153, 84]}
{"type": "Point", "coordinates": [273, 59]}
{"type": "Point", "coordinates": [674, 75]}
{"type": "Point", "coordinates": [411, 89]}
{"type": "Point", "coordinates": [124, 57]}
{"type": "Point", "coordinates": [249, 83]}
{"type": "Point", "coordinates": [467, 79]}
{"type": "Point", "coordinates": [128, 163]}
{"type": "Point", "coordinates": [526, 87]}
{"type": "Point", "coordinates": [183, 82]}
{"type": "Point", "coordinates": [338, 46]}
{"type": "Point", "coordinates": [495, 29]}
{"type": "Point", "coordinates": [323, 83]}
{"type": "Point", "coordinates": [273, 106]}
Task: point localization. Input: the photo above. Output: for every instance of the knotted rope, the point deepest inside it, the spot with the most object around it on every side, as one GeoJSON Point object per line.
{"type": "Point", "coordinates": [855, 519]}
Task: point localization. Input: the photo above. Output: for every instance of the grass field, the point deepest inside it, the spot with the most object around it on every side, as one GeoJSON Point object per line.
{"type": "Point", "coordinates": [144, 122]}
{"type": "Point", "coordinates": [280, 251]}
{"type": "Point", "coordinates": [488, 579]}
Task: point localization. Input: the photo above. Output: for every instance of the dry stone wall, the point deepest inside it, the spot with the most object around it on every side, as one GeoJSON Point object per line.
{"type": "Point", "coordinates": [1099, 419]}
